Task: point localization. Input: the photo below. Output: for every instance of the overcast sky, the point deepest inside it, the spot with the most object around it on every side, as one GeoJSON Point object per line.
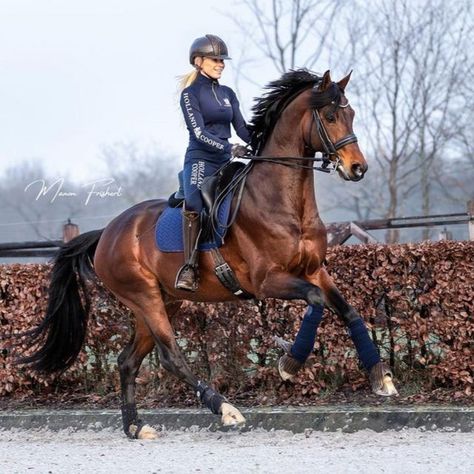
{"type": "Point", "coordinates": [77, 75]}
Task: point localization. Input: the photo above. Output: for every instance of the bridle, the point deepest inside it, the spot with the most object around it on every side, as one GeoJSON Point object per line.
{"type": "Point", "coordinates": [330, 154]}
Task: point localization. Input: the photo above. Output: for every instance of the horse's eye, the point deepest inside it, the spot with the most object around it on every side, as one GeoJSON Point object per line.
{"type": "Point", "coordinates": [331, 118]}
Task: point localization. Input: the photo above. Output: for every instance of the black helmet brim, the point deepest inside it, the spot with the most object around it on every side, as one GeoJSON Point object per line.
{"type": "Point", "coordinates": [217, 57]}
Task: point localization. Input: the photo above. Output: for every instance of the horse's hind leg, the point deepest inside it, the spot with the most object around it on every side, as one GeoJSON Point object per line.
{"type": "Point", "coordinates": [148, 306]}
{"type": "Point", "coordinates": [129, 362]}
{"type": "Point", "coordinates": [173, 360]}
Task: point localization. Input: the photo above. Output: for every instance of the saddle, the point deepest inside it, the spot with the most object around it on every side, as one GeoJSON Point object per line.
{"type": "Point", "coordinates": [213, 186]}
{"type": "Point", "coordinates": [213, 190]}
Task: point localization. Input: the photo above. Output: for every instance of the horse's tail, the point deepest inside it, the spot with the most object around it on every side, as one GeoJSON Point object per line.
{"type": "Point", "coordinates": [63, 329]}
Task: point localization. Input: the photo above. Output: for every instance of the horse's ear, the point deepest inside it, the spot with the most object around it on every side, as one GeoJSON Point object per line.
{"type": "Point", "coordinates": [325, 81]}
{"type": "Point", "coordinates": [343, 82]}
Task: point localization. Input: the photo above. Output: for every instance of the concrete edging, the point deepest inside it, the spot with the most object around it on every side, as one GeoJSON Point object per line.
{"type": "Point", "coordinates": [296, 419]}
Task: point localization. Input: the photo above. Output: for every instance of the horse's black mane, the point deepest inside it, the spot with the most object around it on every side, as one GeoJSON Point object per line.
{"type": "Point", "coordinates": [268, 108]}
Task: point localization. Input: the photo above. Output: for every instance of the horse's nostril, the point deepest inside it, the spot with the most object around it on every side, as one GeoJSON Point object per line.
{"type": "Point", "coordinates": [357, 170]}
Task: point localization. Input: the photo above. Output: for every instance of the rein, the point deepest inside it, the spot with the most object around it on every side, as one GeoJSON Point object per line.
{"type": "Point", "coordinates": [282, 160]}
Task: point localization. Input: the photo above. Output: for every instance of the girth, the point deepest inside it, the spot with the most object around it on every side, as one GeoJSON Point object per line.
{"type": "Point", "coordinates": [231, 179]}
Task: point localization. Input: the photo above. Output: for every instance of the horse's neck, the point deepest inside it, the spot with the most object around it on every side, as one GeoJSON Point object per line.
{"type": "Point", "coordinates": [284, 188]}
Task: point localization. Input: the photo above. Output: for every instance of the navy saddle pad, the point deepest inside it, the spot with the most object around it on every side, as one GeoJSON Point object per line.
{"type": "Point", "coordinates": [169, 228]}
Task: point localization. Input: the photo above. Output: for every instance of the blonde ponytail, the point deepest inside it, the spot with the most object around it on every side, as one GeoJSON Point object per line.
{"type": "Point", "coordinates": [187, 79]}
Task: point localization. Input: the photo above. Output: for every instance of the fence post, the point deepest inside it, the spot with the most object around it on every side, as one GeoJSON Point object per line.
{"type": "Point", "coordinates": [70, 231]}
{"type": "Point", "coordinates": [445, 234]}
{"type": "Point", "coordinates": [470, 211]}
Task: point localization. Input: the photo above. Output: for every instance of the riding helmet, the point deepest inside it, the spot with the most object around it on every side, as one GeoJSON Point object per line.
{"type": "Point", "coordinates": [210, 46]}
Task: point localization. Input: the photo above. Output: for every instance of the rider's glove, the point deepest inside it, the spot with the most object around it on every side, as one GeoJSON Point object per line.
{"type": "Point", "coordinates": [240, 151]}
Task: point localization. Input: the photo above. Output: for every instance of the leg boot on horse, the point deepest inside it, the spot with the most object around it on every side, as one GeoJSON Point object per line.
{"type": "Point", "coordinates": [188, 277]}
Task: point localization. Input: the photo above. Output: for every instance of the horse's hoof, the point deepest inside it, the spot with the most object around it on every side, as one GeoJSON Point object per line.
{"type": "Point", "coordinates": [388, 389]}
{"type": "Point", "coordinates": [231, 416]}
{"type": "Point", "coordinates": [381, 379]}
{"type": "Point", "coordinates": [285, 376]}
{"type": "Point", "coordinates": [288, 367]}
{"type": "Point", "coordinates": [146, 432]}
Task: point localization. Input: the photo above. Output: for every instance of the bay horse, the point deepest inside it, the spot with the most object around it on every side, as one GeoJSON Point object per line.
{"type": "Point", "coordinates": [276, 248]}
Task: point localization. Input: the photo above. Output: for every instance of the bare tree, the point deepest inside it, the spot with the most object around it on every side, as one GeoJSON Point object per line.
{"type": "Point", "coordinates": [290, 33]}
{"type": "Point", "coordinates": [388, 111]}
{"type": "Point", "coordinates": [36, 204]}
{"type": "Point", "coordinates": [413, 66]}
{"type": "Point", "coordinates": [455, 177]}
{"type": "Point", "coordinates": [441, 62]}
{"type": "Point", "coordinates": [410, 88]}
{"type": "Point", "coordinates": [141, 173]}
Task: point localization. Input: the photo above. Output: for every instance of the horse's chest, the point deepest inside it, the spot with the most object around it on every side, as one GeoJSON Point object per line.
{"type": "Point", "coordinates": [309, 252]}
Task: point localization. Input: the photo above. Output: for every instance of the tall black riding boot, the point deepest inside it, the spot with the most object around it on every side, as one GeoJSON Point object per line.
{"type": "Point", "coordinates": [186, 279]}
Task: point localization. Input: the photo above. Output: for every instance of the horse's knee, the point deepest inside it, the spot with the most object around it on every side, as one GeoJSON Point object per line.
{"type": "Point", "coordinates": [315, 296]}
{"type": "Point", "coordinates": [342, 308]}
{"type": "Point", "coordinates": [349, 315]}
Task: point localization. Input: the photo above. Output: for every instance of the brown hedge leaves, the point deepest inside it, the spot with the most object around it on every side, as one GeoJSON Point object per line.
{"type": "Point", "coordinates": [417, 300]}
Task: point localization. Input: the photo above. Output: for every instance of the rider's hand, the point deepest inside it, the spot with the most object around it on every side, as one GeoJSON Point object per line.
{"type": "Point", "coordinates": [240, 151]}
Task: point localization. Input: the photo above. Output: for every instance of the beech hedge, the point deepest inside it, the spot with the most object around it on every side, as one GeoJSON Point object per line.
{"type": "Point", "coordinates": [416, 299]}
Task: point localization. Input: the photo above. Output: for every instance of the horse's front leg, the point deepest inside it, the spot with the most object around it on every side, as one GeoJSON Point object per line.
{"type": "Point", "coordinates": [286, 286]}
{"type": "Point", "coordinates": [313, 291]}
{"type": "Point", "coordinates": [380, 374]}
{"type": "Point", "coordinates": [297, 352]}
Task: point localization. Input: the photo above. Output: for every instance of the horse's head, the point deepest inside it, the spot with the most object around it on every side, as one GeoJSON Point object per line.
{"type": "Point", "coordinates": [303, 113]}
{"type": "Point", "coordinates": [329, 125]}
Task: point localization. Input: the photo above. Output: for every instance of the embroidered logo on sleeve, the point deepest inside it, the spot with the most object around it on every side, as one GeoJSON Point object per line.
{"type": "Point", "coordinates": [189, 110]}
{"type": "Point", "coordinates": [194, 125]}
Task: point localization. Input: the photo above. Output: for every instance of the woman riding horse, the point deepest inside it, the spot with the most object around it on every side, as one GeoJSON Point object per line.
{"type": "Point", "coordinates": [276, 247]}
{"type": "Point", "coordinates": [209, 108]}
